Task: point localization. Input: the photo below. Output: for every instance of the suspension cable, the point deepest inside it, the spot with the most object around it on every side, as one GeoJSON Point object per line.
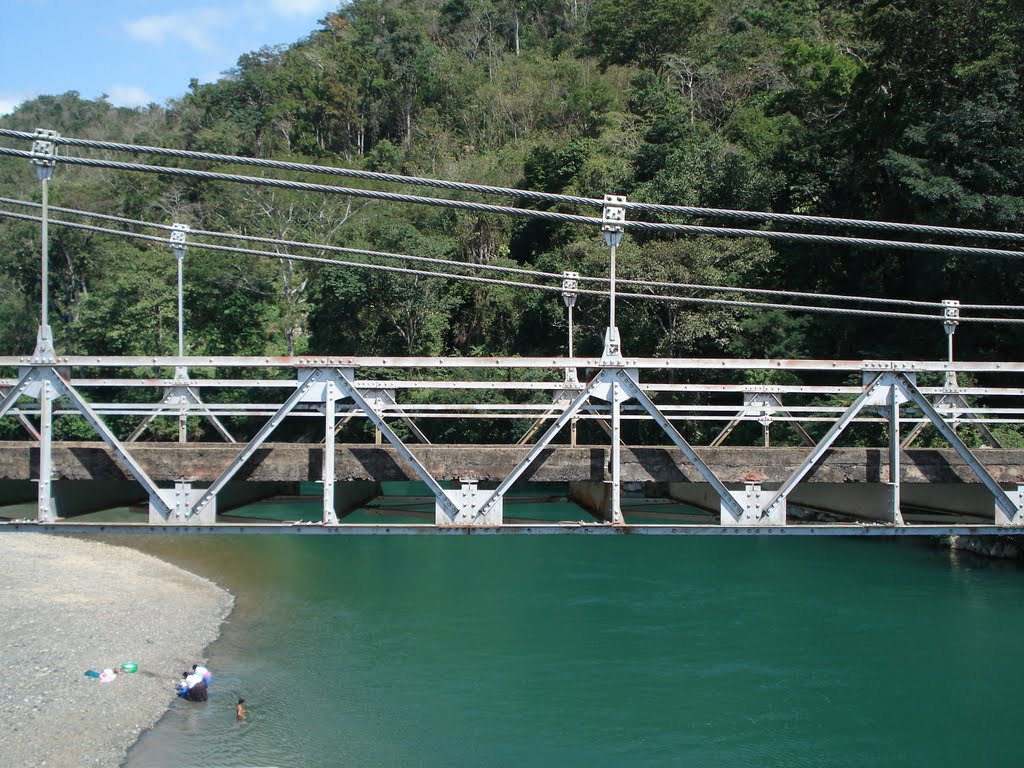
{"type": "Point", "coordinates": [746, 305]}
{"type": "Point", "coordinates": [683, 210]}
{"type": "Point", "coordinates": [527, 212]}
{"type": "Point", "coordinates": [520, 271]}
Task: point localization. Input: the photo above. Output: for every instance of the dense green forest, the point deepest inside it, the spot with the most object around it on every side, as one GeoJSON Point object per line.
{"type": "Point", "coordinates": [885, 109]}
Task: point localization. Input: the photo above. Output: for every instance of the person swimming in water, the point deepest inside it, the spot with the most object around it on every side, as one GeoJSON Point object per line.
{"type": "Point", "coordinates": [240, 710]}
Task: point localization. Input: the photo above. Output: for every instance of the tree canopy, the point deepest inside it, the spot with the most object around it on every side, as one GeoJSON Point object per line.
{"type": "Point", "coordinates": [882, 109]}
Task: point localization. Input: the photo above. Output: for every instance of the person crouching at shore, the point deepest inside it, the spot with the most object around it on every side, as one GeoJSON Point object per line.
{"type": "Point", "coordinates": [194, 687]}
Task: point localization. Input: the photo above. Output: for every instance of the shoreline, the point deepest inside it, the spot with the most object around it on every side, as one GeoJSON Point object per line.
{"type": "Point", "coordinates": [69, 605]}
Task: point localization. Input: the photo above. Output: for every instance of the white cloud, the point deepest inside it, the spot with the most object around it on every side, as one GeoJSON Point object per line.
{"type": "Point", "coordinates": [128, 96]}
{"type": "Point", "coordinates": [303, 7]}
{"type": "Point", "coordinates": [197, 28]}
{"type": "Point", "coordinates": [11, 101]}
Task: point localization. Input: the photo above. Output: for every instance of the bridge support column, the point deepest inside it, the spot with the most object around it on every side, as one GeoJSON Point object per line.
{"type": "Point", "coordinates": [46, 510]}
{"type": "Point", "coordinates": [330, 516]}
{"type": "Point", "coordinates": [594, 497]}
{"type": "Point", "coordinates": [894, 486]}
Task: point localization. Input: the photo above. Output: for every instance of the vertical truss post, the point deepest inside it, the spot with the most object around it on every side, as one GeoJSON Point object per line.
{"type": "Point", "coordinates": [330, 516]}
{"type": "Point", "coordinates": [616, 454]}
{"type": "Point", "coordinates": [45, 512]}
{"type": "Point", "coordinates": [895, 482]}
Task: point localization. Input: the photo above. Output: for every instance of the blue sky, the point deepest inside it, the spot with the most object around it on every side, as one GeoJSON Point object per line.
{"type": "Point", "coordinates": [137, 51]}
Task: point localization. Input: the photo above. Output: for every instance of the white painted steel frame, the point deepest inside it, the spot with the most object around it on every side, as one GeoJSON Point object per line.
{"type": "Point", "coordinates": [620, 383]}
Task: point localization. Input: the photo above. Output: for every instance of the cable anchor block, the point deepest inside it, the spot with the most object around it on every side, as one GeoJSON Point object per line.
{"type": "Point", "coordinates": [44, 153]}
{"type": "Point", "coordinates": [613, 217]}
{"type": "Point", "coordinates": [179, 239]}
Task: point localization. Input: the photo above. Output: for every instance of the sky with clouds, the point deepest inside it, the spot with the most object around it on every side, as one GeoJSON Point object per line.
{"type": "Point", "coordinates": [137, 51]}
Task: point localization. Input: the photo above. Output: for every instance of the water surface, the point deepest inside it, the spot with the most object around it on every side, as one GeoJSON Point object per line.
{"type": "Point", "coordinates": [600, 651]}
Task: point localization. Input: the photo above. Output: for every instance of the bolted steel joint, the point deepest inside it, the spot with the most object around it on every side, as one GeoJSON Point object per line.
{"type": "Point", "coordinates": [613, 216]}
{"type": "Point", "coordinates": [570, 287]}
{"type": "Point", "coordinates": [179, 239]}
{"type": "Point", "coordinates": [950, 315]}
{"type": "Point", "coordinates": [44, 153]}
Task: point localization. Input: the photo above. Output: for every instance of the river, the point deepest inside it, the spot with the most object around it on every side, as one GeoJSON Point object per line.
{"type": "Point", "coordinates": [599, 651]}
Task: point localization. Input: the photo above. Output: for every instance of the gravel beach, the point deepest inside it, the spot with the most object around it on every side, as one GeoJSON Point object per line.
{"type": "Point", "coordinates": [67, 606]}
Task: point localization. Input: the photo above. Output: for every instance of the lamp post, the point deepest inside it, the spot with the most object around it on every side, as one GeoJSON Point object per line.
{"type": "Point", "coordinates": [570, 289]}
{"type": "Point", "coordinates": [951, 319]}
{"type": "Point", "coordinates": [44, 153]}
{"type": "Point", "coordinates": [179, 237]}
{"type": "Point", "coordinates": [613, 217]}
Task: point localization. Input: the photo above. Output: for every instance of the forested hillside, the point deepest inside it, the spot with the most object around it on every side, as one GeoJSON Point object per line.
{"type": "Point", "coordinates": [884, 109]}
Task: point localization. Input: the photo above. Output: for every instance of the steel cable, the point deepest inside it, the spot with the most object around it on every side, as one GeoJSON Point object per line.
{"type": "Point", "coordinates": [514, 284]}
{"type": "Point", "coordinates": [532, 213]}
{"type": "Point", "coordinates": [506, 270]}
{"type": "Point", "coordinates": [682, 210]}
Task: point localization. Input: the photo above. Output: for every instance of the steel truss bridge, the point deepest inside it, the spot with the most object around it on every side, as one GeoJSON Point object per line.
{"type": "Point", "coordinates": [405, 398]}
{"type": "Point", "coordinates": [631, 403]}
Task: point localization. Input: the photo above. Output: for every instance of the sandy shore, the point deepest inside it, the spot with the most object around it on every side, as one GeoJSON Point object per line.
{"type": "Point", "coordinates": [68, 605]}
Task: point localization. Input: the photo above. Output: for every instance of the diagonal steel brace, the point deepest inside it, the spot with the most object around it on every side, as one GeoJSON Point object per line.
{"type": "Point", "coordinates": [913, 393]}
{"type": "Point", "coordinates": [348, 387]}
{"type": "Point", "coordinates": [641, 397]}
{"type": "Point", "coordinates": [31, 375]}
{"type": "Point", "coordinates": [571, 410]}
{"type": "Point", "coordinates": [260, 437]}
{"type": "Point", "coordinates": [826, 442]}
{"type": "Point", "coordinates": [79, 403]}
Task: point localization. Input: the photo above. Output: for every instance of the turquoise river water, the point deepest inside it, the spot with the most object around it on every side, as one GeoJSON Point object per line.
{"type": "Point", "coordinates": [600, 651]}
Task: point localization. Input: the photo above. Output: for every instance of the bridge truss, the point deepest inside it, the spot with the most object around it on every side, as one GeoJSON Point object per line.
{"type": "Point", "coordinates": [406, 399]}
